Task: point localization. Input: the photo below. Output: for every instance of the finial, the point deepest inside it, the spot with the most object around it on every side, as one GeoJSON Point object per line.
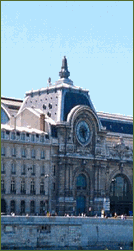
{"type": "Point", "coordinates": [64, 73]}
{"type": "Point", "coordinates": [49, 81]}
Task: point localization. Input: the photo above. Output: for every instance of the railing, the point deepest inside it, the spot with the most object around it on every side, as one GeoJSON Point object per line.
{"type": "Point", "coordinates": [23, 191]}
{"type": "Point", "coordinates": [13, 191]}
{"type": "Point", "coordinates": [42, 192]}
{"type": "Point", "coordinates": [32, 192]}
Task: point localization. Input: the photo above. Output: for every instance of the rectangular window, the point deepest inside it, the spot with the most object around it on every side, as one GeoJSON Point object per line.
{"type": "Point", "coordinates": [2, 186]}
{"type": "Point", "coordinates": [13, 152]}
{"type": "Point", "coordinates": [23, 169]}
{"type": "Point", "coordinates": [2, 167]}
{"type": "Point", "coordinates": [54, 170]}
{"type": "Point", "coordinates": [32, 207]}
{"type": "Point", "coordinates": [53, 186]}
{"type": "Point", "coordinates": [23, 152]}
{"type": "Point", "coordinates": [23, 187]}
{"type": "Point", "coordinates": [42, 187]}
{"type": "Point", "coordinates": [42, 154]}
{"type": "Point", "coordinates": [32, 190]}
{"type": "Point", "coordinates": [2, 151]}
{"type": "Point", "coordinates": [13, 186]}
{"type": "Point", "coordinates": [3, 134]}
{"type": "Point", "coordinates": [42, 170]}
{"type": "Point", "coordinates": [33, 153]}
{"type": "Point", "coordinates": [13, 168]}
{"type": "Point", "coordinates": [33, 170]}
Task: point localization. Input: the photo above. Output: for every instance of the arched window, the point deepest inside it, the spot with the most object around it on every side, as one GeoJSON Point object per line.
{"type": "Point", "coordinates": [22, 206]}
{"type": "Point", "coordinates": [4, 117]}
{"type": "Point", "coordinates": [32, 206]}
{"type": "Point", "coordinates": [12, 206]}
{"type": "Point", "coordinates": [81, 182]}
{"type": "Point", "coordinates": [119, 189]}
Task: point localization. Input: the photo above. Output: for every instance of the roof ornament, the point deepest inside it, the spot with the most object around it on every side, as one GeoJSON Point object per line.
{"type": "Point", "coordinates": [64, 73]}
{"type": "Point", "coordinates": [49, 81]}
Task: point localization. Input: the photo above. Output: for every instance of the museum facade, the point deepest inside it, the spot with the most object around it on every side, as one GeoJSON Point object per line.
{"type": "Point", "coordinates": [59, 155]}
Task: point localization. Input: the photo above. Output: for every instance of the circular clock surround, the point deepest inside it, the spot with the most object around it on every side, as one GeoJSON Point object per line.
{"type": "Point", "coordinates": [83, 132]}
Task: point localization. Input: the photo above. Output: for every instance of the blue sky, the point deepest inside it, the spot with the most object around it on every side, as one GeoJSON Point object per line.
{"type": "Point", "coordinates": [95, 36]}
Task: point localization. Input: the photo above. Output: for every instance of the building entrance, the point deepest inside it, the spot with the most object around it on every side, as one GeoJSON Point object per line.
{"type": "Point", "coordinates": [80, 204]}
{"type": "Point", "coordinates": [120, 195]}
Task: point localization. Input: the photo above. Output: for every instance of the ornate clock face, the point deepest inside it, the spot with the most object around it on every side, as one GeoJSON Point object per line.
{"type": "Point", "coordinates": [83, 132]}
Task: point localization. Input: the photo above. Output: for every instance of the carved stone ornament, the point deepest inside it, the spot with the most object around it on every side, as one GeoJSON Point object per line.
{"type": "Point", "coordinates": [121, 150]}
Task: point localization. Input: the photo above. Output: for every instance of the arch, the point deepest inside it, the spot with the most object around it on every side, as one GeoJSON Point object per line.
{"type": "Point", "coordinates": [3, 206]}
{"type": "Point", "coordinates": [120, 194]}
{"type": "Point", "coordinates": [79, 109]}
{"type": "Point", "coordinates": [5, 116]}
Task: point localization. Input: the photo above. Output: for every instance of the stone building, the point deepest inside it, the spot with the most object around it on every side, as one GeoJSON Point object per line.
{"type": "Point", "coordinates": [59, 154]}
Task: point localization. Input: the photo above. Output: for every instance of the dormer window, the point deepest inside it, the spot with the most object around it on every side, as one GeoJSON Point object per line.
{"type": "Point", "coordinates": [13, 135]}
{"type": "Point", "coordinates": [32, 137]}
{"type": "Point", "coordinates": [23, 136]}
{"type": "Point", "coordinates": [42, 138]}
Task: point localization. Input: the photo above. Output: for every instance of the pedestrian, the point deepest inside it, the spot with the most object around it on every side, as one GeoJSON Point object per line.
{"type": "Point", "coordinates": [115, 215]}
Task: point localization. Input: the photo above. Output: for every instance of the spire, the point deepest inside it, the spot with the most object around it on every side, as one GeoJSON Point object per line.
{"type": "Point", "coordinates": [64, 73]}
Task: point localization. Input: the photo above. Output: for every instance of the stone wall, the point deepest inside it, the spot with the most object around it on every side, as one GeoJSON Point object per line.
{"type": "Point", "coordinates": [65, 232]}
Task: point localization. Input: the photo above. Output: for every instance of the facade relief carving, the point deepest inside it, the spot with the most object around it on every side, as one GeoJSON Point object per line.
{"type": "Point", "coordinates": [121, 151]}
